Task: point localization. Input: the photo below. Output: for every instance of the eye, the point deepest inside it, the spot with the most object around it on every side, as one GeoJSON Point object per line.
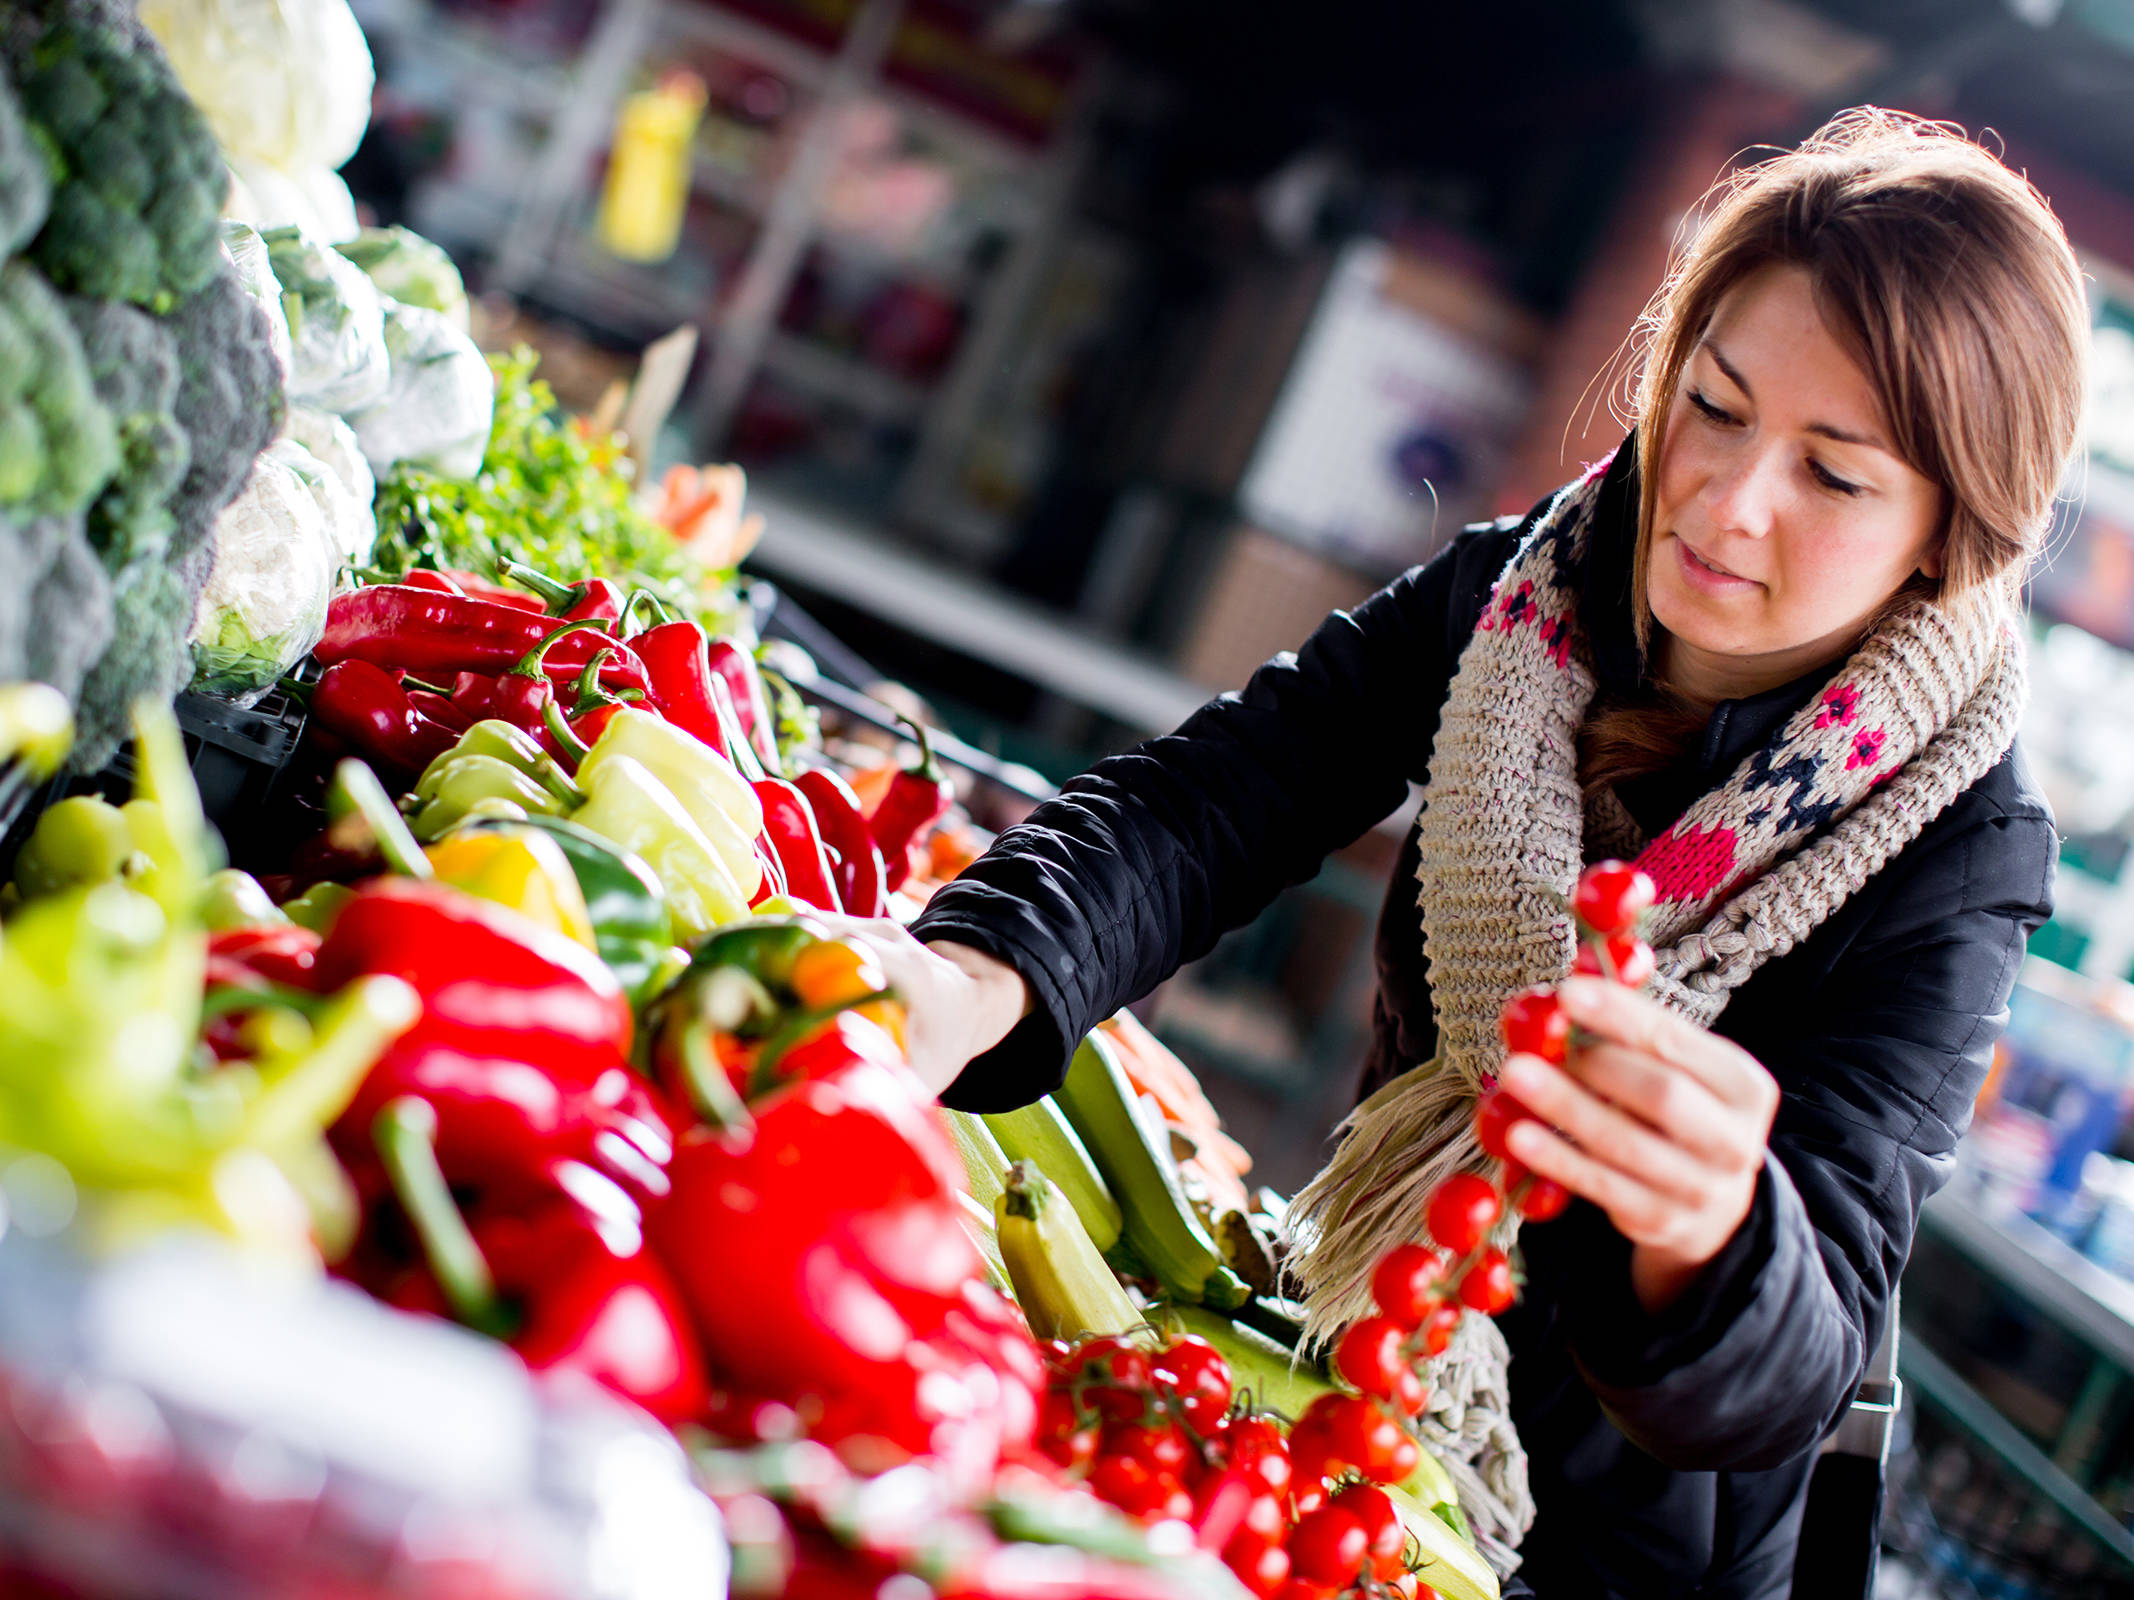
{"type": "Point", "coordinates": [1831, 480]}
{"type": "Point", "coordinates": [1710, 412]}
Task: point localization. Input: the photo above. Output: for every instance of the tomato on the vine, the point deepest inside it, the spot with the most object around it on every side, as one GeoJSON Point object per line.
{"type": "Point", "coordinates": [1302, 1589]}
{"type": "Point", "coordinates": [1382, 1527]}
{"type": "Point", "coordinates": [1533, 1024]}
{"type": "Point", "coordinates": [1328, 1547]}
{"type": "Point", "coordinates": [1261, 1565]}
{"type": "Point", "coordinates": [1258, 1444]}
{"type": "Point", "coordinates": [1611, 896]}
{"type": "Point", "coordinates": [1161, 1447]}
{"type": "Point", "coordinates": [1487, 1286]}
{"type": "Point", "coordinates": [1404, 1280]}
{"type": "Point", "coordinates": [1495, 1113]}
{"type": "Point", "coordinates": [1438, 1330]}
{"type": "Point", "coordinates": [1630, 956]}
{"type": "Point", "coordinates": [1462, 1211]}
{"type": "Point", "coordinates": [1542, 1200]}
{"type": "Point", "coordinates": [1195, 1372]}
{"type": "Point", "coordinates": [1369, 1356]}
{"type": "Point", "coordinates": [1411, 1394]}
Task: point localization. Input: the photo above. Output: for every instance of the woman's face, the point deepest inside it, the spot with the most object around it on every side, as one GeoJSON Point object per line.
{"type": "Point", "coordinates": [1785, 517]}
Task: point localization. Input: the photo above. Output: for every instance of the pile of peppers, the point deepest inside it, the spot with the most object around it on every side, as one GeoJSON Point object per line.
{"type": "Point", "coordinates": [593, 703]}
{"type": "Point", "coordinates": [740, 1212]}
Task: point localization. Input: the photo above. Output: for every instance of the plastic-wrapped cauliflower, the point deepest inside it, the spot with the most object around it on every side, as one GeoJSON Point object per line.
{"type": "Point", "coordinates": [312, 198]}
{"type": "Point", "coordinates": [248, 254]}
{"type": "Point", "coordinates": [275, 564]}
{"type": "Point", "coordinates": [337, 354]}
{"type": "Point", "coordinates": [286, 82]}
{"type": "Point", "coordinates": [439, 402]}
{"type": "Point", "coordinates": [348, 488]}
{"type": "Point", "coordinates": [409, 268]}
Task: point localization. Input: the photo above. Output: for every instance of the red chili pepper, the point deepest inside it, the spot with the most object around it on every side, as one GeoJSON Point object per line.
{"type": "Point", "coordinates": [737, 668]}
{"type": "Point", "coordinates": [854, 855]}
{"type": "Point", "coordinates": [595, 600]}
{"type": "Point", "coordinates": [361, 703]}
{"type": "Point", "coordinates": [426, 578]}
{"type": "Point", "coordinates": [571, 1291]}
{"type": "Point", "coordinates": [678, 663]}
{"type": "Point", "coordinates": [595, 708]}
{"type": "Point", "coordinates": [474, 584]}
{"type": "Point", "coordinates": [918, 797]}
{"type": "Point", "coordinates": [523, 695]}
{"type": "Point", "coordinates": [439, 708]}
{"type": "Point", "coordinates": [421, 631]}
{"type": "Point", "coordinates": [790, 838]}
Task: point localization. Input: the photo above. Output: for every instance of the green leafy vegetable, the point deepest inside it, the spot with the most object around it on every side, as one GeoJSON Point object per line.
{"type": "Point", "coordinates": [547, 495]}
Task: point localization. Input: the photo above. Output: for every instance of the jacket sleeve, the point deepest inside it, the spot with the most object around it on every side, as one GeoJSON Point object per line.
{"type": "Point", "coordinates": [1143, 862]}
{"type": "Point", "coordinates": [1756, 1362]}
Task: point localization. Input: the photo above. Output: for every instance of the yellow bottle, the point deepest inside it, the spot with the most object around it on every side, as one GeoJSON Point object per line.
{"type": "Point", "coordinates": [647, 190]}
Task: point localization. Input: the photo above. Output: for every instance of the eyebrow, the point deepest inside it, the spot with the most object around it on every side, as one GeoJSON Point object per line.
{"type": "Point", "coordinates": [1827, 429]}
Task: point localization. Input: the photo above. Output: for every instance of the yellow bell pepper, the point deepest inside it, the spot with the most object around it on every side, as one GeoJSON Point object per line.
{"type": "Point", "coordinates": [519, 868]}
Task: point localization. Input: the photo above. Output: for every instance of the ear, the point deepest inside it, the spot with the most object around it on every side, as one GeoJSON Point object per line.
{"type": "Point", "coordinates": [1930, 563]}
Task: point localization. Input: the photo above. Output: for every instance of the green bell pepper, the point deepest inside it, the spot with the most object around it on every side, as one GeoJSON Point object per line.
{"type": "Point", "coordinates": [234, 899]}
{"type": "Point", "coordinates": [631, 927]}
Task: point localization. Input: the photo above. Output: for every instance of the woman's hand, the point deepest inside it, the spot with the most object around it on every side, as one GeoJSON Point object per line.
{"type": "Point", "coordinates": [1662, 1125]}
{"type": "Point", "coordinates": [958, 1002]}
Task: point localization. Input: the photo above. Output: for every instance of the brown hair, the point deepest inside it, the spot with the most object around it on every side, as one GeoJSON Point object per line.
{"type": "Point", "coordinates": [1952, 284]}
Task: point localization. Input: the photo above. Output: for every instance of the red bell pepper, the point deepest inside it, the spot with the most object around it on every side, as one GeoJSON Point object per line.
{"type": "Point", "coordinates": [421, 631]}
{"type": "Point", "coordinates": [918, 797]}
{"type": "Point", "coordinates": [493, 983]}
{"type": "Point", "coordinates": [822, 1255]}
{"type": "Point", "coordinates": [361, 703]}
{"type": "Point", "coordinates": [570, 1295]}
{"type": "Point", "coordinates": [854, 855]}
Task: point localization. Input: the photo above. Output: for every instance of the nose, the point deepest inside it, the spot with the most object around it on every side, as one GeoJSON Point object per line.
{"type": "Point", "coordinates": [1742, 497]}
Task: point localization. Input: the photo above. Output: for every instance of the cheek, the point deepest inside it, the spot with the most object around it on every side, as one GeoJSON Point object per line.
{"type": "Point", "coordinates": [1842, 567]}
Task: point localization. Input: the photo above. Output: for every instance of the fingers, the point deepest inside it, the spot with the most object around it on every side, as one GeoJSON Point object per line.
{"type": "Point", "coordinates": [1642, 1215]}
{"type": "Point", "coordinates": [1642, 1024]}
{"type": "Point", "coordinates": [1604, 1136]}
{"type": "Point", "coordinates": [1678, 1105]}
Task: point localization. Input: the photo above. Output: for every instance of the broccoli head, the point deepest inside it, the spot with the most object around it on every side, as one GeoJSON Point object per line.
{"type": "Point", "coordinates": [137, 178]}
{"type": "Point", "coordinates": [152, 612]}
{"type": "Point", "coordinates": [55, 609]}
{"type": "Point", "coordinates": [58, 445]}
{"type": "Point", "coordinates": [25, 190]}
{"type": "Point", "coordinates": [133, 360]}
{"type": "Point", "coordinates": [229, 401]}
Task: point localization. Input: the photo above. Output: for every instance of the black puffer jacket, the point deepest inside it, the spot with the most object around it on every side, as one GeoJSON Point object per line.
{"type": "Point", "coordinates": [1669, 1454]}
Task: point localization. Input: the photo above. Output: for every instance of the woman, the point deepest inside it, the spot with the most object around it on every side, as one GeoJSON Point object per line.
{"type": "Point", "coordinates": [1781, 669]}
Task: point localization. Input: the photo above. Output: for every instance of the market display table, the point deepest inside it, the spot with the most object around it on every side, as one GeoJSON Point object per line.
{"type": "Point", "coordinates": [2093, 1305]}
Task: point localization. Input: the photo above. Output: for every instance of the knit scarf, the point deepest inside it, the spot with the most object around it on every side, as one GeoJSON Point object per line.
{"type": "Point", "coordinates": [1925, 706]}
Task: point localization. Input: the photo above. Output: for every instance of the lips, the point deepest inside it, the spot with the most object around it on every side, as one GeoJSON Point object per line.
{"type": "Point", "coordinates": [1710, 573]}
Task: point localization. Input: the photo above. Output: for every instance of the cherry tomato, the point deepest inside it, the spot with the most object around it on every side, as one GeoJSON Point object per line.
{"type": "Point", "coordinates": [1057, 1353]}
{"type": "Point", "coordinates": [1488, 1287]}
{"type": "Point", "coordinates": [1495, 1113]}
{"type": "Point", "coordinates": [1195, 1371]}
{"type": "Point", "coordinates": [1611, 896]}
{"type": "Point", "coordinates": [1403, 1282]}
{"type": "Point", "coordinates": [1412, 1394]}
{"type": "Point", "coordinates": [1123, 1481]}
{"type": "Point", "coordinates": [1115, 1360]}
{"type": "Point", "coordinates": [1301, 1589]}
{"type": "Point", "coordinates": [1369, 1356]}
{"type": "Point", "coordinates": [1328, 1547]}
{"type": "Point", "coordinates": [1438, 1331]}
{"type": "Point", "coordinates": [1631, 957]}
{"type": "Point", "coordinates": [1261, 1565]}
{"type": "Point", "coordinates": [1313, 1459]}
{"type": "Point", "coordinates": [1543, 1200]}
{"type": "Point", "coordinates": [1258, 1444]}
{"type": "Point", "coordinates": [1461, 1211]}
{"type": "Point", "coordinates": [1159, 1446]}
{"type": "Point", "coordinates": [1386, 1534]}
{"type": "Point", "coordinates": [1533, 1024]}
